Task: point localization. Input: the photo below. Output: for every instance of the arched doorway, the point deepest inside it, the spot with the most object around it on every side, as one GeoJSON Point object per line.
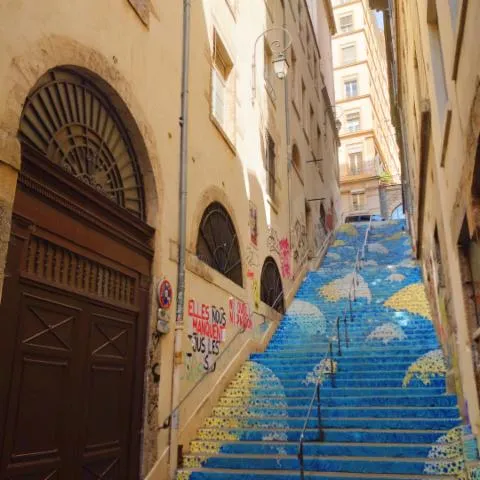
{"type": "Point", "coordinates": [74, 309]}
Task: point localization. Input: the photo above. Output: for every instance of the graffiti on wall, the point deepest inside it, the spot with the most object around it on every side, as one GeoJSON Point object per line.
{"type": "Point", "coordinates": [285, 264]}
{"type": "Point", "coordinates": [273, 243]}
{"type": "Point", "coordinates": [256, 292]}
{"type": "Point", "coordinates": [251, 257]}
{"type": "Point", "coordinates": [253, 223]}
{"type": "Point", "coordinates": [208, 331]}
{"type": "Point", "coordinates": [299, 241]}
{"type": "Point", "coordinates": [239, 314]}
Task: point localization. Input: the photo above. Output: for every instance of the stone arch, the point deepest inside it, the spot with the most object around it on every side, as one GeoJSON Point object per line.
{"type": "Point", "coordinates": [58, 51]}
{"type": "Point", "coordinates": [211, 195]}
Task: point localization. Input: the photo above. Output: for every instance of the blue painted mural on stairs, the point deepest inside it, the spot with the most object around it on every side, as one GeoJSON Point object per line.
{"type": "Point", "coordinates": [387, 412]}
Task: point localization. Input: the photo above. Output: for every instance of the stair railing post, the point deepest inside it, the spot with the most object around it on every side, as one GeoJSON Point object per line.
{"type": "Point", "coordinates": [350, 306]}
{"type": "Point", "coordinates": [300, 459]}
{"type": "Point", "coordinates": [332, 373]}
{"type": "Point", "coordinates": [339, 347]}
{"type": "Point", "coordinates": [320, 432]}
{"type": "Point", "coordinates": [345, 324]}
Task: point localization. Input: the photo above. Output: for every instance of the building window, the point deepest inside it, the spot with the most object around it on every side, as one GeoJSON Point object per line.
{"type": "Point", "coordinates": [271, 290]}
{"type": "Point", "coordinates": [270, 165]}
{"type": "Point", "coordinates": [293, 76]}
{"type": "Point", "coordinates": [349, 53]}
{"type": "Point", "coordinates": [217, 243]}
{"type": "Point", "coordinates": [296, 158]}
{"type": "Point", "coordinates": [358, 200]}
{"type": "Point", "coordinates": [312, 125]}
{"type": "Point", "coordinates": [351, 87]}
{"type": "Point", "coordinates": [346, 23]}
{"type": "Point", "coordinates": [304, 103]}
{"type": "Point", "coordinates": [355, 163]}
{"type": "Point", "coordinates": [223, 96]}
{"type": "Point", "coordinates": [268, 73]}
{"type": "Point", "coordinates": [352, 122]}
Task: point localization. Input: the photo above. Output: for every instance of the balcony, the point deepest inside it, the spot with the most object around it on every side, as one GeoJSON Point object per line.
{"type": "Point", "coordinates": [361, 169]}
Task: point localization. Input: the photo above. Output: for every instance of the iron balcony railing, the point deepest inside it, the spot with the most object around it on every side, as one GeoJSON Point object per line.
{"type": "Point", "coordinates": [365, 168]}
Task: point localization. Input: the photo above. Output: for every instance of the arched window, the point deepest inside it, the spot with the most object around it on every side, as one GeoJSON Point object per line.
{"type": "Point", "coordinates": [296, 158]}
{"type": "Point", "coordinates": [217, 243]}
{"type": "Point", "coordinates": [73, 124]}
{"type": "Point", "coordinates": [397, 213]}
{"type": "Point", "coordinates": [271, 290]}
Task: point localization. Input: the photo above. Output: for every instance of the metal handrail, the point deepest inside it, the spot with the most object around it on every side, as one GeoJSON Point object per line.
{"type": "Point", "coordinates": [360, 256]}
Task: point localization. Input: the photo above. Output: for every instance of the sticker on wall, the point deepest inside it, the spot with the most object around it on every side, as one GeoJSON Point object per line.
{"type": "Point", "coordinates": [165, 294]}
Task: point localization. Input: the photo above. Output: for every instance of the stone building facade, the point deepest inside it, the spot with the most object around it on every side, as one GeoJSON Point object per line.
{"type": "Point", "coordinates": [89, 169]}
{"type": "Point", "coordinates": [368, 153]}
{"type": "Point", "coordinates": [435, 90]}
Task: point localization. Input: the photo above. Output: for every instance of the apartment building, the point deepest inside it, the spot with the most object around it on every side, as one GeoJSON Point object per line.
{"type": "Point", "coordinates": [368, 154]}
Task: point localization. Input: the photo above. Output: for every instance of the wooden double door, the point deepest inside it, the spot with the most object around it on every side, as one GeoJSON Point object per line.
{"type": "Point", "coordinates": [72, 333]}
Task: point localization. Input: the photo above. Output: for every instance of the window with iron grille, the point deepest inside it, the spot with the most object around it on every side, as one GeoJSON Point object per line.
{"type": "Point", "coordinates": [271, 290]}
{"type": "Point", "coordinates": [270, 165]}
{"type": "Point", "coordinates": [217, 243]}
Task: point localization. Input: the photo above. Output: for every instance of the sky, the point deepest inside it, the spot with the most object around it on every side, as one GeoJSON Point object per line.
{"type": "Point", "coordinates": [379, 18]}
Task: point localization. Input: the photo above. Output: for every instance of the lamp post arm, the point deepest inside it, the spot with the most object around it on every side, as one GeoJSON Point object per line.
{"type": "Point", "coordinates": [276, 47]}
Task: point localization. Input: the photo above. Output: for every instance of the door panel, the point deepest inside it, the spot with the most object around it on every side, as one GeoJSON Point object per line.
{"type": "Point", "coordinates": [73, 324]}
{"type": "Point", "coordinates": [40, 394]}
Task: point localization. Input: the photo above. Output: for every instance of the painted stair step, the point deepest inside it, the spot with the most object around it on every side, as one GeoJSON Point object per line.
{"type": "Point", "coordinates": [313, 359]}
{"type": "Point", "coordinates": [313, 449]}
{"type": "Point", "coordinates": [357, 343]}
{"type": "Point", "coordinates": [328, 391]}
{"type": "Point", "coordinates": [269, 402]}
{"type": "Point", "coordinates": [330, 435]}
{"type": "Point", "coordinates": [274, 423]}
{"type": "Point", "coordinates": [324, 464]}
{"type": "Point", "coordinates": [345, 384]}
{"type": "Point", "coordinates": [285, 370]}
{"type": "Point", "coordinates": [360, 383]}
{"type": "Point", "coordinates": [230, 474]}
{"type": "Point", "coordinates": [371, 355]}
{"type": "Point", "coordinates": [336, 412]}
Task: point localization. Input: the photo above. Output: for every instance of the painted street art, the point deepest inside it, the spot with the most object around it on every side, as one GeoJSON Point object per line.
{"type": "Point", "coordinates": [299, 241]}
{"type": "Point", "coordinates": [208, 331]}
{"type": "Point", "coordinates": [285, 255]}
{"type": "Point", "coordinates": [253, 223]}
{"type": "Point", "coordinates": [387, 401]}
{"type": "Point", "coordinates": [251, 257]}
{"type": "Point", "coordinates": [273, 241]}
{"type": "Point", "coordinates": [239, 314]}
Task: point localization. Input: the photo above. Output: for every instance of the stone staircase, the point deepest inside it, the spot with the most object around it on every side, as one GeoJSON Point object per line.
{"type": "Point", "coordinates": [384, 414]}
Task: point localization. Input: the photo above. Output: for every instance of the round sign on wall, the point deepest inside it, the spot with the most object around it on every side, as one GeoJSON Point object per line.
{"type": "Point", "coordinates": [165, 294]}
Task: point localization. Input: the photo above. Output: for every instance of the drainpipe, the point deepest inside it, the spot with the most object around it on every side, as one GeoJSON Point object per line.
{"type": "Point", "coordinates": [182, 221]}
{"type": "Point", "coordinates": [287, 133]}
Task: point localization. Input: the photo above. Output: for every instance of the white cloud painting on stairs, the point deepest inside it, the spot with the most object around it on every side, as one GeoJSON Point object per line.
{"type": "Point", "coordinates": [307, 317]}
{"type": "Point", "coordinates": [388, 332]}
{"type": "Point", "coordinates": [340, 288]}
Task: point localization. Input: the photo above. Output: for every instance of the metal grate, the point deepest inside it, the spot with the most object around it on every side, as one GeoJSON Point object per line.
{"type": "Point", "coordinates": [217, 243]}
{"type": "Point", "coordinates": [71, 123]}
{"type": "Point", "coordinates": [271, 290]}
{"type": "Point", "coordinates": [63, 268]}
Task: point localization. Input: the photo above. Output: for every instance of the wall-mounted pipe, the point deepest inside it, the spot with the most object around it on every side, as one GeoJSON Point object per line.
{"type": "Point", "coordinates": [182, 227]}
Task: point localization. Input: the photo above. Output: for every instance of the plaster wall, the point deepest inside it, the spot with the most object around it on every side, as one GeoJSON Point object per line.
{"type": "Point", "coordinates": [135, 56]}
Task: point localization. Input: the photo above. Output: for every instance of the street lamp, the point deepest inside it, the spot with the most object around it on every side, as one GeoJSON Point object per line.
{"type": "Point", "coordinates": [279, 60]}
